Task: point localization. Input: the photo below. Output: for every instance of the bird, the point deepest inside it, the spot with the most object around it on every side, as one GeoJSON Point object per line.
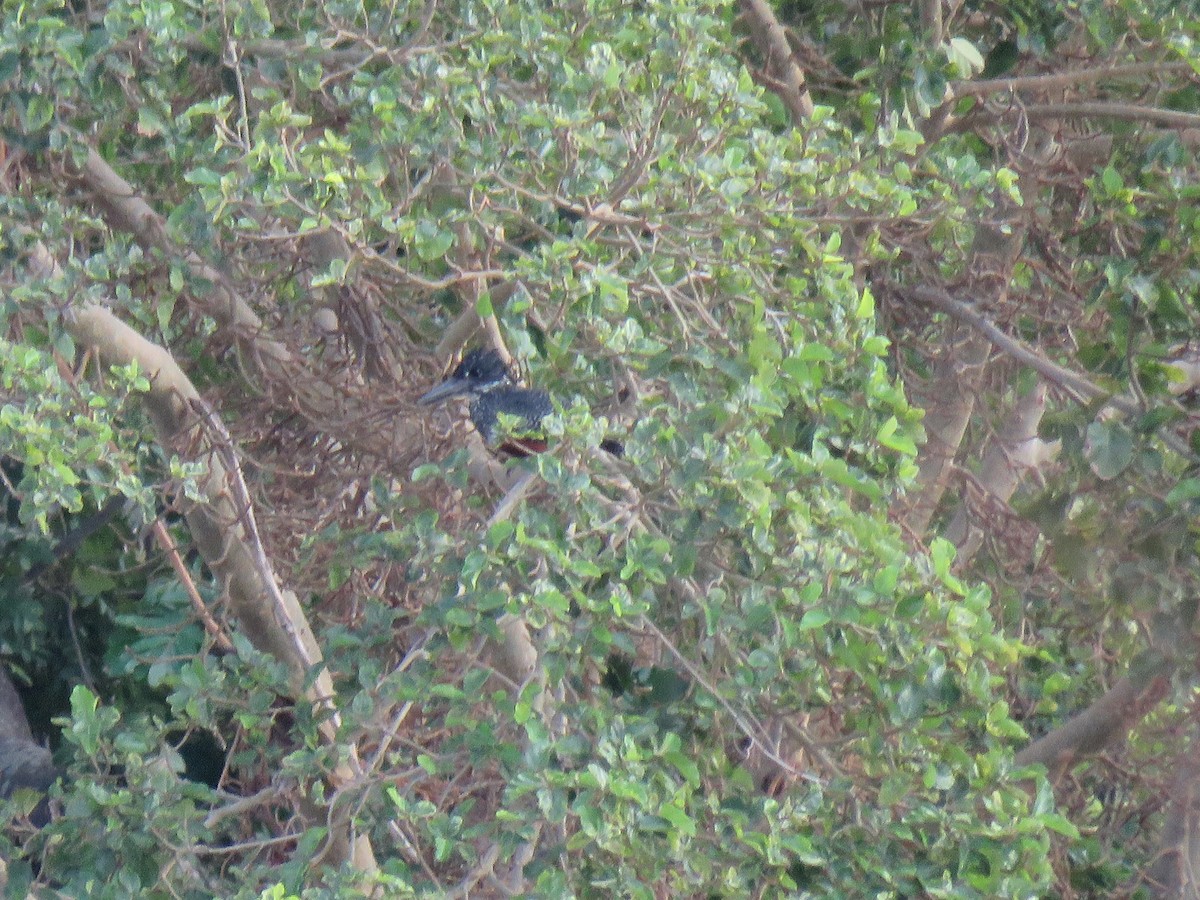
{"type": "Point", "coordinates": [484, 377]}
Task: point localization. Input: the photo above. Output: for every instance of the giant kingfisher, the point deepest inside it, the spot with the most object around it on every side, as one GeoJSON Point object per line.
{"type": "Point", "coordinates": [485, 379]}
{"type": "Point", "coordinates": [483, 376]}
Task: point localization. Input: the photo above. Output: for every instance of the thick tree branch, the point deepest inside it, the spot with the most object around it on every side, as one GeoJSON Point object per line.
{"type": "Point", "coordinates": [949, 405]}
{"type": "Point", "coordinates": [220, 525]}
{"type": "Point", "coordinates": [320, 401]}
{"type": "Point", "coordinates": [126, 210]}
{"type": "Point", "coordinates": [1105, 721]}
{"type": "Point", "coordinates": [1176, 869]}
{"type": "Point", "coordinates": [771, 40]}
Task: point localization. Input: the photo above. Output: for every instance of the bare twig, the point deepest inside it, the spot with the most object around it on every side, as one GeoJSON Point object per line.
{"type": "Point", "coordinates": [242, 805]}
{"type": "Point", "coordinates": [220, 439]}
{"type": "Point", "coordinates": [510, 500]}
{"type": "Point", "coordinates": [220, 639]}
{"type": "Point", "coordinates": [750, 731]}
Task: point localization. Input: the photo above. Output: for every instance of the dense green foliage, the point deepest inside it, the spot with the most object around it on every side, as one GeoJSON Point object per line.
{"type": "Point", "coordinates": [608, 181]}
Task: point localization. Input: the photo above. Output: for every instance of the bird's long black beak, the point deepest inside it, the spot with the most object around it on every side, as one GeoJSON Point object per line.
{"type": "Point", "coordinates": [451, 387]}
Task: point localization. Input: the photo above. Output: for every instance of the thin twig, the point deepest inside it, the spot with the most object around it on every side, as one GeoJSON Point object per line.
{"type": "Point", "coordinates": [750, 731]}
{"type": "Point", "coordinates": [167, 543]}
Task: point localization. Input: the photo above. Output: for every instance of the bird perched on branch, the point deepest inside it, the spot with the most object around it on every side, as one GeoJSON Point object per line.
{"type": "Point", "coordinates": [483, 376]}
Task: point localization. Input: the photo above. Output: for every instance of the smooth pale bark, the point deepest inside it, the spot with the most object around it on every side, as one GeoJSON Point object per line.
{"type": "Point", "coordinates": [126, 210]}
{"type": "Point", "coordinates": [949, 400]}
{"type": "Point", "coordinates": [222, 529]}
{"type": "Point", "coordinates": [1009, 457]}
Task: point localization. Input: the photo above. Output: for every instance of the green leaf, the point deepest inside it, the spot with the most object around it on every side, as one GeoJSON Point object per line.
{"type": "Point", "coordinates": [1003, 56]}
{"type": "Point", "coordinates": [909, 607]}
{"type": "Point", "coordinates": [866, 305]}
{"type": "Point", "coordinates": [889, 436]}
{"type": "Point", "coordinates": [1184, 491]}
{"type": "Point", "coordinates": [965, 57]}
{"type": "Point", "coordinates": [814, 618]}
{"type": "Point", "coordinates": [39, 112]}
{"type": "Point", "coordinates": [1060, 824]}
{"type": "Point", "coordinates": [1108, 449]}
{"type": "Point", "coordinates": [431, 241]}
{"type": "Point", "coordinates": [686, 766]}
{"type": "Point", "coordinates": [1112, 181]}
{"type": "Point", "coordinates": [678, 818]}
{"type": "Point", "coordinates": [9, 63]}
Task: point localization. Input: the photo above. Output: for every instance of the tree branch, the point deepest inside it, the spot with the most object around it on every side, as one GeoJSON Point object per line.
{"type": "Point", "coordinates": [1070, 78]}
{"type": "Point", "coordinates": [931, 21]}
{"type": "Point", "coordinates": [1176, 869]}
{"type": "Point", "coordinates": [1007, 458]}
{"type": "Point", "coordinates": [1111, 717]}
{"type": "Point", "coordinates": [125, 210]}
{"type": "Point", "coordinates": [1066, 379]}
{"type": "Point", "coordinates": [954, 388]}
{"type": "Point", "coordinates": [1101, 110]}
{"type": "Point", "coordinates": [950, 403]}
{"type": "Point", "coordinates": [271, 618]}
{"type": "Point", "coordinates": [771, 40]}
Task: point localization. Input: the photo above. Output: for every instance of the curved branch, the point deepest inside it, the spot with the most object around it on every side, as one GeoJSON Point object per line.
{"type": "Point", "coordinates": [1108, 719]}
{"type": "Point", "coordinates": [221, 526]}
{"type": "Point", "coordinates": [126, 210]}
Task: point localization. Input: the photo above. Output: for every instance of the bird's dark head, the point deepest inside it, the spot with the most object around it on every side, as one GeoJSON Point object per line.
{"type": "Point", "coordinates": [480, 371]}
